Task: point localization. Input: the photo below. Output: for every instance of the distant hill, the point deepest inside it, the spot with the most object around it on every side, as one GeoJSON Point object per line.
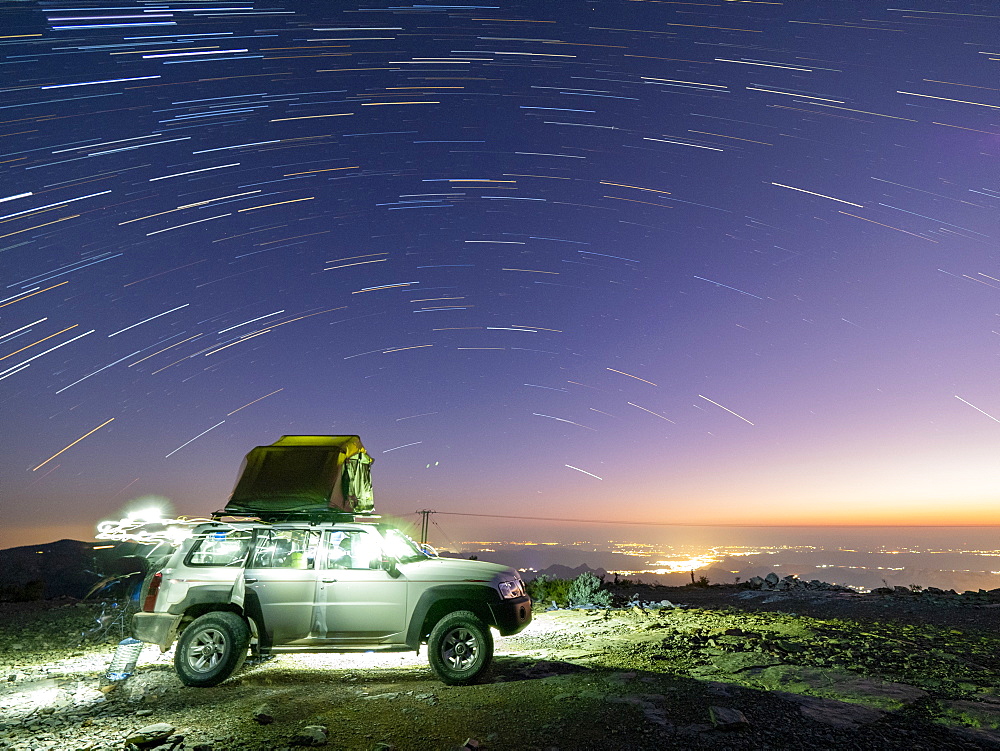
{"type": "Point", "coordinates": [66, 568]}
{"type": "Point", "coordinates": [558, 571]}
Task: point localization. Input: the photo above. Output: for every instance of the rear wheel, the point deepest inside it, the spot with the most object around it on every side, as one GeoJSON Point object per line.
{"type": "Point", "coordinates": [211, 649]}
{"type": "Point", "coordinates": [460, 648]}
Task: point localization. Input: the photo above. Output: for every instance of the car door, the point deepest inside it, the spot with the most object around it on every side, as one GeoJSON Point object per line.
{"type": "Point", "coordinates": [358, 601]}
{"type": "Point", "coordinates": [281, 575]}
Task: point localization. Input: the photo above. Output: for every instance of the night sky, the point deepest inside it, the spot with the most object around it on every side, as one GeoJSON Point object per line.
{"type": "Point", "coordinates": [720, 262]}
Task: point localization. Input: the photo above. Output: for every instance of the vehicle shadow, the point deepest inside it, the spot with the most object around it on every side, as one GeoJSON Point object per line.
{"type": "Point", "coordinates": [401, 668]}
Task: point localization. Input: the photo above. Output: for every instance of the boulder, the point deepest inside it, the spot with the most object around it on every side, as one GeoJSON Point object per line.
{"type": "Point", "coordinates": [151, 734]}
{"type": "Point", "coordinates": [311, 735]}
{"type": "Point", "coordinates": [838, 714]}
{"type": "Point", "coordinates": [263, 715]}
{"type": "Point", "coordinates": [724, 718]}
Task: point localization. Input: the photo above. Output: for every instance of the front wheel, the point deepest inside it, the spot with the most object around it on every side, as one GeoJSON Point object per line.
{"type": "Point", "coordinates": [211, 649]}
{"type": "Point", "coordinates": [460, 648]}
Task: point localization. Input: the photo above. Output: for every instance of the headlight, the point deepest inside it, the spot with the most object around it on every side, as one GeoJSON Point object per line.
{"type": "Point", "coordinates": [511, 589]}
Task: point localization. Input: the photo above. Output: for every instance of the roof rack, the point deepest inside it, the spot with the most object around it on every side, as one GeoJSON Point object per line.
{"type": "Point", "coordinates": [312, 516]}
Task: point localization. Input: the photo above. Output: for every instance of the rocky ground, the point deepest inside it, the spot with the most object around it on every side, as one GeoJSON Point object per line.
{"type": "Point", "coordinates": [730, 668]}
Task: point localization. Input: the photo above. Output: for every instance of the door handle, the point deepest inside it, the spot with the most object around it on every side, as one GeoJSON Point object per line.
{"type": "Point", "coordinates": [328, 581]}
{"type": "Point", "coordinates": [249, 581]}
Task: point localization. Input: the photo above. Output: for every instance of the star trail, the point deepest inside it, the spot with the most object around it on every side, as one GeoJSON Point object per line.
{"type": "Point", "coordinates": [432, 225]}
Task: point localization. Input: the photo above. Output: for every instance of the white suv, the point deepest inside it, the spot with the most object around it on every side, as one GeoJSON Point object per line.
{"type": "Point", "coordinates": [324, 586]}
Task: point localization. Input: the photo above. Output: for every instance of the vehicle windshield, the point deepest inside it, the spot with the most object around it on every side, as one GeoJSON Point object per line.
{"type": "Point", "coordinates": [402, 548]}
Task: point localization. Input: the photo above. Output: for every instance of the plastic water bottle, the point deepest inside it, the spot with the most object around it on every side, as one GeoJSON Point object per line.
{"type": "Point", "coordinates": [123, 663]}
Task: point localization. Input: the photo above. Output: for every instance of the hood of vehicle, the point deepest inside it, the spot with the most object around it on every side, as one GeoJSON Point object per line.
{"type": "Point", "coordinates": [457, 569]}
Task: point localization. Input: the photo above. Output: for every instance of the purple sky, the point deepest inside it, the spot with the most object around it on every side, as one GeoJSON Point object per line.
{"type": "Point", "coordinates": [720, 262]}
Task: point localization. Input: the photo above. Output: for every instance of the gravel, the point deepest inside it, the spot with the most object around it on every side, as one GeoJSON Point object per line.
{"type": "Point", "coordinates": [717, 672]}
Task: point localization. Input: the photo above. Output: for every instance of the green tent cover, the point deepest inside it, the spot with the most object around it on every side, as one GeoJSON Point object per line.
{"type": "Point", "coordinates": [304, 473]}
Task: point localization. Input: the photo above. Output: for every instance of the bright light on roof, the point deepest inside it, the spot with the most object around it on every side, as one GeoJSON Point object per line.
{"type": "Point", "coordinates": [151, 514]}
{"type": "Point", "coordinates": [135, 529]}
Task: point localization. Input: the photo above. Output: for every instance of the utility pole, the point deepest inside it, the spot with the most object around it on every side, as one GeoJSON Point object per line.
{"type": "Point", "coordinates": [424, 524]}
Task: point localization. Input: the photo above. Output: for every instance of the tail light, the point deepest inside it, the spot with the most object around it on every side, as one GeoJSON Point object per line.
{"type": "Point", "coordinates": [154, 589]}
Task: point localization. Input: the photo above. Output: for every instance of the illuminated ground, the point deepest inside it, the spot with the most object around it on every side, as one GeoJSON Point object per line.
{"type": "Point", "coordinates": [628, 679]}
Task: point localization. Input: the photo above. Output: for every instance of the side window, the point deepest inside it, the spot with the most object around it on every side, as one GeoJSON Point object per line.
{"type": "Point", "coordinates": [285, 548]}
{"type": "Point", "coordinates": [226, 547]}
{"type": "Point", "coordinates": [352, 549]}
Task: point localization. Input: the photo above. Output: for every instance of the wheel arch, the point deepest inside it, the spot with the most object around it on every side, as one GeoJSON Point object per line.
{"type": "Point", "coordinates": [437, 602]}
{"type": "Point", "coordinates": [201, 608]}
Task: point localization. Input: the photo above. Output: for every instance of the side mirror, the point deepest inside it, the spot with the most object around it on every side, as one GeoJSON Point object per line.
{"type": "Point", "coordinates": [387, 563]}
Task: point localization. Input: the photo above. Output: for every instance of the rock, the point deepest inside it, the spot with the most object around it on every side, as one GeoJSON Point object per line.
{"type": "Point", "coordinates": [984, 712]}
{"type": "Point", "coordinates": [724, 718]}
{"type": "Point", "coordinates": [156, 733]}
{"type": "Point", "coordinates": [837, 714]}
{"type": "Point", "coordinates": [693, 730]}
{"type": "Point", "coordinates": [263, 715]}
{"type": "Point", "coordinates": [737, 662]}
{"type": "Point", "coordinates": [771, 579]}
{"type": "Point", "coordinates": [311, 735]}
{"type": "Point", "coordinates": [979, 737]}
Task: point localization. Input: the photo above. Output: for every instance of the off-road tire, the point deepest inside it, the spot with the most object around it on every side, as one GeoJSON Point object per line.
{"type": "Point", "coordinates": [211, 649]}
{"type": "Point", "coordinates": [460, 648]}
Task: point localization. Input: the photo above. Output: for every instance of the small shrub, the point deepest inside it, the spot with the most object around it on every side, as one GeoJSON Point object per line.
{"type": "Point", "coordinates": [586, 590]}
{"type": "Point", "coordinates": [547, 589]}
{"type": "Point", "coordinates": [700, 582]}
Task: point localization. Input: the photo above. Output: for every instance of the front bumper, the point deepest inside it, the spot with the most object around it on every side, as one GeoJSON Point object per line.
{"type": "Point", "coordinates": [156, 628]}
{"type": "Point", "coordinates": [511, 616]}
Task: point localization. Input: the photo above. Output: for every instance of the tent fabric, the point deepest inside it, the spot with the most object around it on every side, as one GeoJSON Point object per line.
{"type": "Point", "coordinates": [357, 482]}
{"type": "Point", "coordinates": [304, 474]}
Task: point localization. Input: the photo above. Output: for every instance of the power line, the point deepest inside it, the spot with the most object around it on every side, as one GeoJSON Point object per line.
{"type": "Point", "coordinates": [441, 529]}
{"type": "Point", "coordinates": [591, 521]}
{"type": "Point", "coordinates": [697, 524]}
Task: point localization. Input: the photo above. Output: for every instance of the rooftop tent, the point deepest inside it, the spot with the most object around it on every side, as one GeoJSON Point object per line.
{"type": "Point", "coordinates": [304, 473]}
